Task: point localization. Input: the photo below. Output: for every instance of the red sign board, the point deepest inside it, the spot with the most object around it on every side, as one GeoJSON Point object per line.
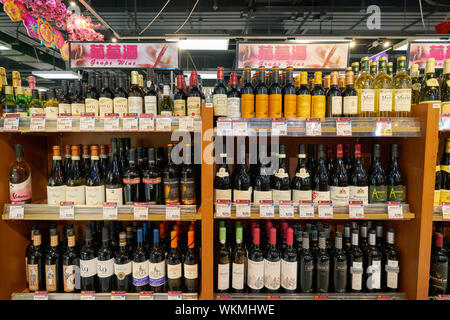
{"type": "Point", "coordinates": [419, 52]}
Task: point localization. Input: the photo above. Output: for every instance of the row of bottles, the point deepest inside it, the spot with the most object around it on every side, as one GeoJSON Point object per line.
{"type": "Point", "coordinates": [439, 265]}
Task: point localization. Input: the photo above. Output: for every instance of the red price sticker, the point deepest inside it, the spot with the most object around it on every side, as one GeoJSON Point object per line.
{"type": "Point", "coordinates": [111, 122]}
{"type": "Point", "coordinates": [64, 122]}
{"type": "Point", "coordinates": [286, 209]}
{"type": "Point", "coordinates": [140, 211]}
{"type": "Point", "coordinates": [240, 128]}
{"type": "Point", "coordinates": [118, 295]}
{"type": "Point", "coordinates": [66, 211]}
{"type": "Point", "coordinates": [395, 210]}
{"type": "Point", "coordinates": [16, 211]}
{"type": "Point", "coordinates": [146, 295]}
{"type": "Point", "coordinates": [87, 121]}
{"type": "Point", "coordinates": [446, 210]}
{"type": "Point", "coordinates": [279, 127]}
{"type": "Point", "coordinates": [356, 210]}
{"type": "Point", "coordinates": [306, 209]}
{"type": "Point", "coordinates": [174, 295]}
{"type": "Point", "coordinates": [37, 122]}
{"type": "Point", "coordinates": [173, 211]}
{"type": "Point", "coordinates": [40, 295]}
{"type": "Point", "coordinates": [87, 295]}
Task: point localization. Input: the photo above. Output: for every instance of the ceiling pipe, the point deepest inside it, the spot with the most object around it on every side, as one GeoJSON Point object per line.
{"type": "Point", "coordinates": [99, 18]}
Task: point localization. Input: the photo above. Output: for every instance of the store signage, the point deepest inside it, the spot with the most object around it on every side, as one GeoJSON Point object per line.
{"type": "Point", "coordinates": [299, 56]}
{"type": "Point", "coordinates": [123, 55]}
{"type": "Point", "coordinates": [420, 52]}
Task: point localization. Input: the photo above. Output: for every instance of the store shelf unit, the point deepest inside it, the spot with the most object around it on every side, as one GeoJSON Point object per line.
{"type": "Point", "coordinates": [101, 296]}
{"type": "Point", "coordinates": [313, 296]}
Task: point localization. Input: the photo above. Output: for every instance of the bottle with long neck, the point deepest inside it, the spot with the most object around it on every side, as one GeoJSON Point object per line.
{"type": "Point", "coordinates": [105, 264]}
{"type": "Point", "coordinates": [445, 173]}
{"type": "Point", "coordinates": [222, 179]}
{"type": "Point", "coordinates": [289, 95]}
{"type": "Point", "coordinates": [77, 100]}
{"type": "Point", "coordinates": [334, 98]}
{"type": "Point", "coordinates": [242, 189]}
{"type": "Point", "coordinates": [415, 84]}
{"type": "Point", "coordinates": [347, 238]}
{"type": "Point", "coordinates": [430, 91]}
{"type": "Point", "coordinates": [306, 270]}
{"type": "Point", "coordinates": [194, 96]}
{"type": "Point", "coordinates": [261, 95]}
{"type": "Point", "coordinates": [171, 180]}
{"type": "Point", "coordinates": [322, 266]}
{"type": "Point", "coordinates": [303, 97]}
{"type": "Point", "coordinates": [396, 189]}
{"type": "Point", "coordinates": [179, 102]}
{"type": "Point", "coordinates": [302, 182]}
{"type": "Point", "coordinates": [56, 189]}
{"type": "Point", "coordinates": [289, 264]}
{"type": "Point", "coordinates": [20, 179]}
{"type": "Point", "coordinates": [152, 180]}
{"type": "Point", "coordinates": [157, 265]}
{"type": "Point", "coordinates": [140, 264]}
{"type": "Point", "coordinates": [88, 262]}
{"type": "Point", "coordinates": [339, 188]}
{"type": "Point", "coordinates": [383, 91]}
{"type": "Point", "coordinates": [372, 265]}
{"type": "Point", "coordinates": [174, 262]}
{"type": "Point", "coordinates": [355, 260]}
{"type": "Point", "coordinates": [339, 265]}
{"type": "Point", "coordinates": [321, 187]}
{"type": "Point", "coordinates": [445, 88]}
{"type": "Point", "coordinates": [233, 98]}
{"type": "Point", "coordinates": [365, 88]}
{"type": "Point", "coordinates": [239, 261]}
{"type": "Point", "coordinates": [104, 161]}
{"type": "Point", "coordinates": [120, 101]}
{"type": "Point", "coordinates": [275, 95]}
{"type": "Point", "coordinates": [255, 265]}
{"type": "Point", "coordinates": [359, 182]}
{"type": "Point", "coordinates": [402, 90]}
{"type": "Point", "coordinates": [67, 161]}
{"type": "Point", "coordinates": [350, 96]}
{"type": "Point", "coordinates": [190, 265]}
{"type": "Point", "coordinates": [247, 96]}
{"type": "Point", "coordinates": [223, 263]}
{"type": "Point", "coordinates": [187, 178]}
{"type": "Point", "coordinates": [131, 180]}
{"type": "Point", "coordinates": [135, 95]}
{"type": "Point", "coordinates": [439, 267]}
{"type": "Point", "coordinates": [220, 96]}
{"type": "Point", "coordinates": [64, 102]}
{"type": "Point", "coordinates": [165, 107]}
{"type": "Point", "coordinates": [71, 264]}
{"type": "Point", "coordinates": [92, 95]}
{"type": "Point", "coordinates": [272, 264]}
{"type": "Point", "coordinates": [85, 161]}
{"type": "Point", "coordinates": [122, 266]}
{"type": "Point", "coordinates": [95, 181]}
{"type": "Point", "coordinates": [151, 94]}
{"type": "Point", "coordinates": [76, 182]}
{"type": "Point", "coordinates": [53, 263]}
{"type": "Point", "coordinates": [377, 179]}
{"type": "Point", "coordinates": [318, 97]}
{"type": "Point", "coordinates": [106, 97]}
{"type": "Point", "coordinates": [35, 267]}
{"type": "Point", "coordinates": [391, 261]}
{"type": "Point", "coordinates": [113, 184]}
{"type": "Point", "coordinates": [310, 161]}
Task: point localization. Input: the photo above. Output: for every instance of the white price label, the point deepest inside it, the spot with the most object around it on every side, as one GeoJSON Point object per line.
{"type": "Point", "coordinates": [306, 209]}
{"type": "Point", "coordinates": [174, 295]}
{"type": "Point", "coordinates": [224, 127]}
{"type": "Point", "coordinates": [163, 124]}
{"type": "Point", "coordinates": [243, 209]}
{"type": "Point", "coordinates": [146, 295]}
{"type": "Point", "coordinates": [11, 123]}
{"type": "Point", "coordinates": [266, 209]}
{"type": "Point", "coordinates": [356, 210]}
{"type": "Point", "coordinates": [110, 211]}
{"type": "Point", "coordinates": [130, 122]}
{"type": "Point", "coordinates": [173, 212]}
{"type": "Point", "coordinates": [286, 209]}
{"type": "Point", "coordinates": [87, 295]}
{"type": "Point", "coordinates": [343, 127]}
{"type": "Point", "coordinates": [313, 127]}
{"type": "Point", "coordinates": [325, 210]}
{"type": "Point", "coordinates": [118, 295]}
{"type": "Point", "coordinates": [240, 128]}
{"type": "Point", "coordinates": [16, 211]}
{"type": "Point", "coordinates": [64, 122]}
{"type": "Point", "coordinates": [140, 211]}
{"type": "Point", "coordinates": [87, 121]}
{"type": "Point", "coordinates": [279, 127]}
{"type": "Point", "coordinates": [446, 210]}
{"type": "Point", "coordinates": [146, 122]}
{"type": "Point", "coordinates": [384, 127]}
{"type": "Point", "coordinates": [111, 122]}
{"type": "Point", "coordinates": [37, 122]}
{"type": "Point", "coordinates": [223, 209]}
{"type": "Point", "coordinates": [66, 211]}
{"type": "Point", "coordinates": [445, 122]}
{"type": "Point", "coordinates": [186, 123]}
{"type": "Point", "coordinates": [395, 210]}
{"type": "Point", "coordinates": [40, 295]}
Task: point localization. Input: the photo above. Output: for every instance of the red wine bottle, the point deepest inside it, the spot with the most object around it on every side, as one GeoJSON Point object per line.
{"type": "Point", "coordinates": [289, 264]}
{"type": "Point", "coordinates": [105, 264]}
{"type": "Point", "coordinates": [272, 264]}
{"type": "Point", "coordinates": [255, 277]}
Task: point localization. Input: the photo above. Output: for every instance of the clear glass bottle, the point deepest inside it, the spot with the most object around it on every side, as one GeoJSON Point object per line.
{"type": "Point", "coordinates": [383, 91]}
{"type": "Point", "coordinates": [365, 88]}
{"type": "Point", "coordinates": [402, 90]}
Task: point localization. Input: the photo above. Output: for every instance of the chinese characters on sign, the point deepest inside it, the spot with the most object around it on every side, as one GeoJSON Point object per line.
{"type": "Point", "coordinates": [420, 52]}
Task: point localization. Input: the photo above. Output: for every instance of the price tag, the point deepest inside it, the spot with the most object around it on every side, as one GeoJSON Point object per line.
{"type": "Point", "coordinates": [140, 211]}
{"type": "Point", "coordinates": [243, 209]}
{"type": "Point", "coordinates": [445, 121]}
{"type": "Point", "coordinates": [266, 209]}
{"type": "Point", "coordinates": [186, 123]}
{"type": "Point", "coordinates": [445, 211]}
{"type": "Point", "coordinates": [66, 211]}
{"type": "Point", "coordinates": [313, 127]}
{"type": "Point", "coordinates": [384, 297]}
{"type": "Point", "coordinates": [146, 295]}
{"type": "Point", "coordinates": [111, 122]}
{"type": "Point", "coordinates": [437, 105]}
{"type": "Point", "coordinates": [163, 123]}
{"type": "Point", "coordinates": [40, 295]}
{"type": "Point", "coordinates": [395, 210]}
{"type": "Point", "coordinates": [306, 209]}
{"type": "Point", "coordinates": [87, 121]}
{"type": "Point", "coordinates": [384, 127]}
{"type": "Point", "coordinates": [223, 297]}
{"type": "Point", "coordinates": [343, 127]}
{"type": "Point", "coordinates": [118, 295]}
{"type": "Point", "coordinates": [279, 127]}
{"type": "Point", "coordinates": [443, 297]}
{"type": "Point", "coordinates": [321, 297]}
{"type": "Point", "coordinates": [173, 211]}
{"type": "Point", "coordinates": [240, 128]}
{"type": "Point", "coordinates": [146, 122]}
{"type": "Point", "coordinates": [64, 122]}
{"type": "Point", "coordinates": [325, 209]}
{"type": "Point", "coordinates": [37, 122]}
{"type": "Point", "coordinates": [223, 209]}
{"type": "Point", "coordinates": [174, 295]}
{"type": "Point", "coordinates": [224, 127]}
{"type": "Point", "coordinates": [286, 209]}
{"type": "Point", "coordinates": [11, 122]}
{"type": "Point", "coordinates": [356, 210]}
{"type": "Point", "coordinates": [110, 211]}
{"type": "Point", "coordinates": [130, 122]}
{"type": "Point", "coordinates": [16, 211]}
{"type": "Point", "coordinates": [87, 295]}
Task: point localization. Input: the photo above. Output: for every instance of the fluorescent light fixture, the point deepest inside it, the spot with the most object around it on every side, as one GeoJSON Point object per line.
{"type": "Point", "coordinates": [300, 40]}
{"type": "Point", "coordinates": [401, 46]}
{"type": "Point", "coordinates": [5, 46]}
{"type": "Point", "coordinates": [431, 40]}
{"type": "Point", "coordinates": [173, 39]}
{"type": "Point", "coordinates": [203, 44]}
{"type": "Point", "coordinates": [203, 74]}
{"type": "Point", "coordinates": [56, 74]}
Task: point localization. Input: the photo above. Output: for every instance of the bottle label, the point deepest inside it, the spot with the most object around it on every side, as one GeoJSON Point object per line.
{"type": "Point", "coordinates": [437, 197]}
{"type": "Point", "coordinates": [359, 194]}
{"type": "Point", "coordinates": [350, 105]}
{"type": "Point", "coordinates": [140, 273]}
{"type": "Point", "coordinates": [272, 271]}
{"type": "Point", "coordinates": [114, 195]}
{"type": "Point", "coordinates": [290, 106]}
{"type": "Point", "coordinates": [357, 275]}
{"type": "Point", "coordinates": [52, 112]}
{"type": "Point", "coordinates": [374, 275]}
{"type": "Point", "coordinates": [70, 278]}
{"type": "Point", "coordinates": [396, 193]}
{"type": "Point", "coordinates": [38, 111]}
{"type": "Point", "coordinates": [385, 99]}
{"type": "Point", "coordinates": [367, 100]}
{"type": "Point", "coordinates": [262, 105]}
{"type": "Point", "coordinates": [281, 173]}
{"type": "Point", "coordinates": [237, 281]}
{"type": "Point", "coordinates": [131, 180]}
{"type": "Point", "coordinates": [336, 105]}
{"type": "Point", "coordinates": [171, 190]}
{"type": "Point", "coordinates": [55, 195]}
{"type": "Point", "coordinates": [187, 191]}
{"type": "Point", "coordinates": [220, 104]}
{"type": "Point", "coordinates": [135, 105]}
{"type": "Point", "coordinates": [289, 275]}
{"type": "Point", "coordinates": [92, 105]}
{"type": "Point", "coordinates": [62, 108]}
{"type": "Point", "coordinates": [105, 268]}
{"type": "Point", "coordinates": [318, 106]}
{"type": "Point", "coordinates": [275, 105]}
{"type": "Point", "coordinates": [278, 195]}
{"type": "Point", "coordinates": [88, 268]}
{"type": "Point", "coordinates": [174, 271]}
{"type": "Point", "coordinates": [248, 105]}
{"type": "Point", "coordinates": [122, 270]}
{"type": "Point", "coordinates": [223, 194]}
{"type": "Point", "coordinates": [432, 83]}
{"type": "Point", "coordinates": [151, 180]}
{"type": "Point", "coordinates": [50, 277]}
{"type": "Point", "coordinates": [33, 277]}
{"type": "Point", "coordinates": [402, 100]}
{"type": "Point", "coordinates": [303, 105]}
{"type": "Point", "coordinates": [234, 107]}
{"type": "Point", "coordinates": [321, 196]}
{"type": "Point", "coordinates": [339, 195]}
{"type": "Point", "coordinates": [20, 192]}
{"type": "Point", "coordinates": [377, 194]}
{"type": "Point", "coordinates": [262, 195]}
{"type": "Point", "coordinates": [301, 195]}
{"type": "Point", "coordinates": [120, 106]}
{"type": "Point", "coordinates": [222, 172]}
{"type": "Point", "coordinates": [157, 273]}
{"type": "Point", "coordinates": [242, 194]}
{"type": "Point", "coordinates": [302, 173]}
{"type": "Point", "coordinates": [150, 104]}
{"type": "Point", "coordinates": [77, 194]}
{"type": "Point", "coordinates": [255, 277]}
{"type": "Point", "coordinates": [223, 276]}
{"type": "Point", "coordinates": [78, 108]}
{"type": "Point", "coordinates": [179, 107]}
{"type": "Point", "coordinates": [445, 168]}
{"type": "Point", "coordinates": [191, 271]}
{"type": "Point", "coordinates": [445, 106]}
{"type": "Point", "coordinates": [95, 196]}
{"type": "Point", "coordinates": [105, 105]}
{"type": "Point", "coordinates": [193, 106]}
{"type": "Point", "coordinates": [392, 277]}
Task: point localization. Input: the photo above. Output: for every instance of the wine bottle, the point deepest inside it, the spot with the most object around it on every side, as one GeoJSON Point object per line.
{"type": "Point", "coordinates": [91, 99]}
{"type": "Point", "coordinates": [377, 179]}
{"type": "Point", "coordinates": [151, 95]}
{"type": "Point", "coordinates": [135, 95]}
{"type": "Point", "coordinates": [334, 98]}
{"type": "Point", "coordinates": [71, 264]}
{"type": "Point", "coordinates": [77, 100]}
{"type": "Point", "coordinates": [140, 264]}
{"type": "Point", "coordinates": [187, 179]}
{"type": "Point", "coordinates": [67, 161]}
{"type": "Point", "coordinates": [339, 189]}
{"type": "Point", "coordinates": [445, 88]}
{"type": "Point", "coordinates": [171, 180]}
{"type": "Point", "coordinates": [122, 266]}
{"type": "Point", "coordinates": [310, 161]}
{"type": "Point", "coordinates": [391, 257]}
{"type": "Point", "coordinates": [247, 96]}
{"type": "Point", "coordinates": [233, 98]}
{"type": "Point", "coordinates": [359, 183]}
{"type": "Point", "coordinates": [35, 105]}
{"type": "Point", "coordinates": [85, 161]}
{"type": "Point", "coordinates": [76, 182]}
{"type": "Point", "coordinates": [131, 180]}
{"type": "Point", "coordinates": [437, 182]}
{"type": "Point", "coordinates": [152, 180]}
{"type": "Point", "coordinates": [165, 107]}
{"type": "Point", "coordinates": [275, 95]}
{"type": "Point", "coordinates": [88, 263]}
{"type": "Point", "coordinates": [445, 173]}
{"type": "Point", "coordinates": [95, 181]}
{"type": "Point", "coordinates": [289, 264]}
{"type": "Point", "coordinates": [321, 188]}
{"type": "Point", "coordinates": [20, 179]}
{"type": "Point", "coordinates": [56, 189]}
{"type": "Point", "coordinates": [194, 96]}
{"type": "Point", "coordinates": [322, 265]}
{"type": "Point", "coordinates": [123, 155]}
{"type": "Point", "coordinates": [222, 179]}
{"type": "Point", "coordinates": [339, 265]}
{"type": "Point", "coordinates": [190, 265]}
{"type": "Point", "coordinates": [157, 265]}
{"type": "Point", "coordinates": [255, 264]}
{"type": "Point", "coordinates": [372, 275]}
{"type": "Point", "coordinates": [281, 183]}
{"type": "Point", "coordinates": [272, 264]}
{"type": "Point", "coordinates": [223, 263]}
{"type": "Point", "coordinates": [239, 260]}
{"type": "Point", "coordinates": [348, 160]}
{"type": "Point", "coordinates": [350, 96]}
{"type": "Point", "coordinates": [303, 97]}
{"type": "Point", "coordinates": [174, 261]}
{"type": "Point", "coordinates": [106, 96]}
{"type": "Point", "coordinates": [35, 267]}
{"type": "Point", "coordinates": [306, 269]}
{"type": "Point", "coordinates": [113, 185]}
{"type": "Point", "coordinates": [373, 68]}
{"type": "Point", "coordinates": [396, 189]}
{"type": "Point", "coordinates": [364, 243]}
{"type": "Point", "coordinates": [289, 95]}
{"type": "Point", "coordinates": [120, 101]}
{"type": "Point", "coordinates": [105, 264]}
{"type": "Point", "coordinates": [180, 98]}
{"type": "Point", "coordinates": [242, 189]}
{"type": "Point", "coordinates": [415, 84]}
{"type": "Point", "coordinates": [53, 263]}
{"type": "Point", "coordinates": [383, 91]}
{"type": "Point", "coordinates": [261, 95]}
{"type": "Point", "coordinates": [21, 102]}
{"type": "Point", "coordinates": [64, 103]}
{"type": "Point", "coordinates": [439, 267]}
{"type": "Point", "coordinates": [430, 91]}
{"type": "Point", "coordinates": [261, 187]}
{"type": "Point", "coordinates": [318, 101]}
{"type": "Point", "coordinates": [302, 182]}
{"type": "Point", "coordinates": [347, 238]}
{"type": "Point", "coordinates": [365, 88]}
{"type": "Point", "coordinates": [331, 160]}
{"type": "Point", "coordinates": [355, 260]}
{"type": "Point", "coordinates": [402, 91]}
{"type": "Point", "coordinates": [220, 96]}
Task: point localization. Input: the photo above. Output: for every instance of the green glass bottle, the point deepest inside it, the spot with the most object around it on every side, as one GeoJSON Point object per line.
{"type": "Point", "coordinates": [166, 105]}
{"type": "Point", "coordinates": [415, 84]}
{"type": "Point", "coordinates": [402, 90]}
{"type": "Point", "coordinates": [383, 91]}
{"type": "Point", "coordinates": [21, 103]}
{"type": "Point", "coordinates": [430, 91]}
{"type": "Point", "coordinates": [9, 104]}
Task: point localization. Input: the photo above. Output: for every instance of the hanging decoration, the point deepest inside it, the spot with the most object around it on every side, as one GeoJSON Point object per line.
{"type": "Point", "coordinates": [36, 16]}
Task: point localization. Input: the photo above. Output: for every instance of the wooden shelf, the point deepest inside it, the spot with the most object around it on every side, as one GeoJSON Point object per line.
{"type": "Point", "coordinates": [98, 296]}
{"type": "Point", "coordinates": [85, 213]}
{"type": "Point", "coordinates": [313, 296]}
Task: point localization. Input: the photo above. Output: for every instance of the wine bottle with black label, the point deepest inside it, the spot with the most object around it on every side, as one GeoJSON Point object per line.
{"type": "Point", "coordinates": [171, 180]}
{"type": "Point", "coordinates": [122, 266]}
{"type": "Point", "coordinates": [339, 265]}
{"type": "Point", "coordinates": [242, 189]}
{"type": "Point", "coordinates": [88, 263]}
{"type": "Point", "coordinates": [339, 189]}
{"type": "Point", "coordinates": [152, 180]}
{"type": "Point", "coordinates": [321, 187]}
{"type": "Point", "coordinates": [261, 187]}
{"type": "Point", "coordinates": [322, 266]}
{"type": "Point", "coordinates": [396, 189]}
{"type": "Point", "coordinates": [306, 270]}
{"type": "Point", "coordinates": [377, 179]}
{"type": "Point", "coordinates": [105, 264]}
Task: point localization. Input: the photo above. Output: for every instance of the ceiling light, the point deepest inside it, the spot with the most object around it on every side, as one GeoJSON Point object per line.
{"type": "Point", "coordinates": [307, 40]}
{"type": "Point", "coordinates": [386, 44]}
{"type": "Point", "coordinates": [352, 44]}
{"type": "Point", "coordinates": [72, 3]}
{"type": "Point", "coordinates": [113, 39]}
{"type": "Point", "coordinates": [56, 74]}
{"type": "Point", "coordinates": [203, 44]}
{"type": "Point", "coordinates": [432, 40]}
{"type": "Point", "coordinates": [173, 39]}
{"type": "Point", "coordinates": [4, 47]}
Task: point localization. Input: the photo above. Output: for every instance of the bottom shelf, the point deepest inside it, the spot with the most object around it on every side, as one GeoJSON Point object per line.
{"type": "Point", "coordinates": [312, 296]}
{"type": "Point", "coordinates": [100, 296]}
